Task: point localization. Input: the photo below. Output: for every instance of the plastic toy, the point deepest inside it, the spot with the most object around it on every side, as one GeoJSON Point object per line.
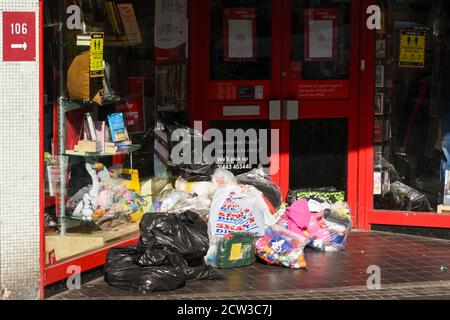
{"type": "Point", "coordinates": [85, 209]}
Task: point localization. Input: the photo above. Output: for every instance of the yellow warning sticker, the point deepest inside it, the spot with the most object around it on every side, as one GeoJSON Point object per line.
{"type": "Point", "coordinates": [96, 56]}
{"type": "Point", "coordinates": [412, 48]}
{"type": "Point", "coordinates": [189, 187]}
{"type": "Point", "coordinates": [236, 252]}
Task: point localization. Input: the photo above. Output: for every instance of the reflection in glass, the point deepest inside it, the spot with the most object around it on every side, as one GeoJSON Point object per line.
{"type": "Point", "coordinates": [411, 109]}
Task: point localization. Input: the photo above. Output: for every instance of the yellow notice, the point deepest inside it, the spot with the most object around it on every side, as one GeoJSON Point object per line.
{"type": "Point", "coordinates": [412, 48]}
{"type": "Point", "coordinates": [96, 54]}
{"type": "Point", "coordinates": [236, 252]}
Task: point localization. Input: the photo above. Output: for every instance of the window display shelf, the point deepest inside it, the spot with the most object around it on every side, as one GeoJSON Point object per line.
{"type": "Point", "coordinates": [132, 149]}
{"type": "Point", "coordinates": [70, 105]}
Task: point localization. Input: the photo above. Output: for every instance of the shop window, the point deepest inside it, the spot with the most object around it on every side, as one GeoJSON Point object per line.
{"type": "Point", "coordinates": [321, 39]}
{"type": "Point", "coordinates": [114, 79]}
{"type": "Point", "coordinates": [412, 114]}
{"type": "Point", "coordinates": [318, 154]}
{"type": "Point", "coordinates": [241, 39]}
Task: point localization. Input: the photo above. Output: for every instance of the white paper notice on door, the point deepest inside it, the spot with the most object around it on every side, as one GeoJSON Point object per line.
{"type": "Point", "coordinates": [240, 39]}
{"type": "Point", "coordinates": [321, 39]}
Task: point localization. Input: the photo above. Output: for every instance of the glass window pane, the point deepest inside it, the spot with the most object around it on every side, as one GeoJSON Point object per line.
{"type": "Point", "coordinates": [145, 80]}
{"type": "Point", "coordinates": [318, 154]}
{"type": "Point", "coordinates": [241, 39]}
{"type": "Point", "coordinates": [321, 39]}
{"type": "Point", "coordinates": [411, 106]}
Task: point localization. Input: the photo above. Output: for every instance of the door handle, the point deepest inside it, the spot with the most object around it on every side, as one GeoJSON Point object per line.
{"type": "Point", "coordinates": [275, 110]}
{"type": "Point", "coordinates": [284, 110]}
{"type": "Point", "coordinates": [290, 109]}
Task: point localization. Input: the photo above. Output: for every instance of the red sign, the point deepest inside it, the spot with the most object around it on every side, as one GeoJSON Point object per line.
{"type": "Point", "coordinates": [133, 108]}
{"type": "Point", "coordinates": [19, 36]}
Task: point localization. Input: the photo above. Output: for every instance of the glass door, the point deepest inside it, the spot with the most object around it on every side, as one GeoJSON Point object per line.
{"type": "Point", "coordinates": [235, 91]}
{"type": "Point", "coordinates": [319, 81]}
{"type": "Point", "coordinates": [285, 67]}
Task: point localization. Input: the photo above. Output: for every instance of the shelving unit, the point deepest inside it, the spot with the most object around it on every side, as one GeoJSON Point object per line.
{"type": "Point", "coordinates": [65, 106]}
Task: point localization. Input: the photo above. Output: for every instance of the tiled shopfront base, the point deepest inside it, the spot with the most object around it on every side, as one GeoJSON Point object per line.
{"type": "Point", "coordinates": [409, 265]}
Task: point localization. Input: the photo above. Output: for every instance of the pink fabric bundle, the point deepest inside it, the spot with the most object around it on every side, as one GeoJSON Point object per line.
{"type": "Point", "coordinates": [301, 220]}
{"type": "Point", "coordinates": [298, 216]}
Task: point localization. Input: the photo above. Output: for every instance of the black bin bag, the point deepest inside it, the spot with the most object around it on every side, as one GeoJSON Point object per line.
{"type": "Point", "coordinates": [263, 183]}
{"type": "Point", "coordinates": [170, 251]}
{"type": "Point", "coordinates": [191, 141]}
{"type": "Point", "coordinates": [185, 234]}
{"type": "Point", "coordinates": [123, 272]}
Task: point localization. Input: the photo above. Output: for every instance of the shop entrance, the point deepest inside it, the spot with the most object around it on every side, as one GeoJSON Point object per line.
{"type": "Point", "coordinates": [291, 66]}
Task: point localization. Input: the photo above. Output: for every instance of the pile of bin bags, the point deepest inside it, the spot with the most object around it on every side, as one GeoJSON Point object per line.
{"type": "Point", "coordinates": [170, 251]}
{"type": "Point", "coordinates": [224, 222]}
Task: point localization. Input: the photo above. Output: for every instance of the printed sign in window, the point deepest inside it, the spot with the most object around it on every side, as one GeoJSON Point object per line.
{"type": "Point", "coordinates": [320, 34]}
{"type": "Point", "coordinates": [412, 48]}
{"type": "Point", "coordinates": [239, 34]}
{"type": "Point", "coordinates": [96, 54]}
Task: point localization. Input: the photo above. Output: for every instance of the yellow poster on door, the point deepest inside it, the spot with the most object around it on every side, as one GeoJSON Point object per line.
{"type": "Point", "coordinates": [96, 54]}
{"type": "Point", "coordinates": [412, 48]}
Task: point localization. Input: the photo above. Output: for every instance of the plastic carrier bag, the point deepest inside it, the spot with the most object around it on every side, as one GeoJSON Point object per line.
{"type": "Point", "coordinates": [282, 247]}
{"type": "Point", "coordinates": [326, 230]}
{"type": "Point", "coordinates": [237, 209]}
{"type": "Point", "coordinates": [171, 250]}
{"type": "Point", "coordinates": [404, 198]}
{"type": "Point", "coordinates": [263, 183]}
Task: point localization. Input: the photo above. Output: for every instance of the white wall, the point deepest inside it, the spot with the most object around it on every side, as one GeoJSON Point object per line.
{"type": "Point", "coordinates": [19, 168]}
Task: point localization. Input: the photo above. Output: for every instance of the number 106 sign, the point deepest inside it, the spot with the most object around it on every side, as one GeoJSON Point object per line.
{"type": "Point", "coordinates": [19, 36]}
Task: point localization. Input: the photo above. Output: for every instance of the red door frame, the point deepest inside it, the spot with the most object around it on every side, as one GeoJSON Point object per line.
{"type": "Point", "coordinates": [368, 215]}
{"type": "Point", "coordinates": [203, 109]}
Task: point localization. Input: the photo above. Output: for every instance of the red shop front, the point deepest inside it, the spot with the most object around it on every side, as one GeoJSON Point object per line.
{"type": "Point", "coordinates": [315, 73]}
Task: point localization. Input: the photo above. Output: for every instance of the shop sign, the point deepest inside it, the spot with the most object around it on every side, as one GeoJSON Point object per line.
{"type": "Point", "coordinates": [239, 34]}
{"type": "Point", "coordinates": [96, 55]}
{"type": "Point", "coordinates": [320, 34]}
{"type": "Point", "coordinates": [171, 31]}
{"type": "Point", "coordinates": [412, 48]}
{"type": "Point", "coordinates": [19, 36]}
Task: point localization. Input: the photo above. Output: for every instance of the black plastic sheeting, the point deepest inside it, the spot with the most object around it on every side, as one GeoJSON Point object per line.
{"type": "Point", "coordinates": [264, 184]}
{"type": "Point", "coordinates": [170, 251]}
{"type": "Point", "coordinates": [189, 139]}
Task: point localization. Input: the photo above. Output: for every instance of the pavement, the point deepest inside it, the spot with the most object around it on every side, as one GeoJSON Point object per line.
{"type": "Point", "coordinates": [410, 268]}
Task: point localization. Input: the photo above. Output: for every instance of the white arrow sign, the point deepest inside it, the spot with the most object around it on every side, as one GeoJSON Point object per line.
{"type": "Point", "coordinates": [19, 46]}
